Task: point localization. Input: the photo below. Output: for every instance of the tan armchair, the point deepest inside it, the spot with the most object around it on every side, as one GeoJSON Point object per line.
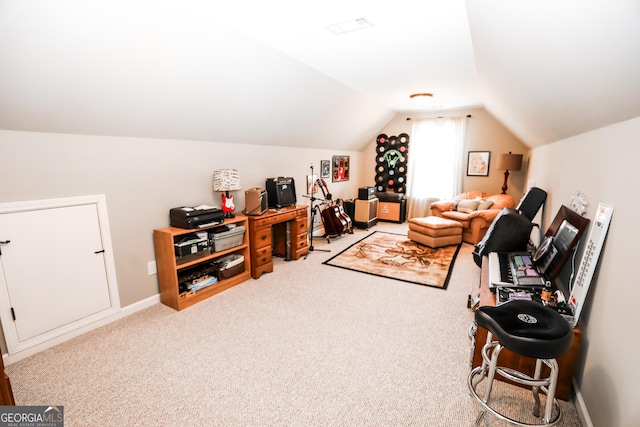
{"type": "Point", "coordinates": [475, 210]}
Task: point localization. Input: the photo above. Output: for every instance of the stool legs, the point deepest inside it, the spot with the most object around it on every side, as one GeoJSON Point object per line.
{"type": "Point", "coordinates": [493, 365]}
{"type": "Point", "coordinates": [551, 390]}
{"type": "Point", "coordinates": [489, 368]}
{"type": "Point", "coordinates": [536, 389]}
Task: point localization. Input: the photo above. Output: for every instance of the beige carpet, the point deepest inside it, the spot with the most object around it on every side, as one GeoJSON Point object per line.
{"type": "Point", "coordinates": [394, 256]}
{"type": "Point", "coordinates": [306, 345]}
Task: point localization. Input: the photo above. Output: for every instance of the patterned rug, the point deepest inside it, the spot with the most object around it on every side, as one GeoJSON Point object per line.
{"type": "Point", "coordinates": [396, 257]}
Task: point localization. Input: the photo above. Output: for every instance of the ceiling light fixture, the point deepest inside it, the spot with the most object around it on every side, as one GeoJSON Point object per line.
{"type": "Point", "coordinates": [422, 99]}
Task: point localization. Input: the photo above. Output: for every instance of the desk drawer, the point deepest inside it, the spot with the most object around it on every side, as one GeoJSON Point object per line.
{"type": "Point", "coordinates": [276, 218]}
{"type": "Point", "coordinates": [299, 226]}
{"type": "Point", "coordinates": [301, 241]}
{"type": "Point", "coordinates": [261, 256]}
{"type": "Point", "coordinates": [262, 237]}
{"type": "Point", "coordinates": [288, 216]}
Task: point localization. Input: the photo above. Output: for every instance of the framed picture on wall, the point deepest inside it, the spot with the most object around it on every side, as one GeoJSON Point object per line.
{"type": "Point", "coordinates": [325, 168]}
{"type": "Point", "coordinates": [478, 163]}
{"type": "Point", "coordinates": [340, 170]}
{"type": "Point", "coordinates": [312, 186]}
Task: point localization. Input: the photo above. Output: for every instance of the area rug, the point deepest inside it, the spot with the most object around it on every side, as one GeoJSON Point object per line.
{"type": "Point", "coordinates": [396, 257]}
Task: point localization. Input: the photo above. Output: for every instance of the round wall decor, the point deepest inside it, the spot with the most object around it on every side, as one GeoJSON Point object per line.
{"type": "Point", "coordinates": [391, 162]}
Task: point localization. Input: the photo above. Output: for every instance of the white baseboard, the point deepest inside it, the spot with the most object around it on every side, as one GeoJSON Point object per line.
{"type": "Point", "coordinates": [124, 312]}
{"type": "Point", "coordinates": [581, 407]}
{"type": "Point", "coordinates": [140, 305]}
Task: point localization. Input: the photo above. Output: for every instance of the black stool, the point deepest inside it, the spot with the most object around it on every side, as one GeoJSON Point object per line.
{"type": "Point", "coordinates": [530, 329]}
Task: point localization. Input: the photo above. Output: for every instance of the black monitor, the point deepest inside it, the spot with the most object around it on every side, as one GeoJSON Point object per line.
{"type": "Point", "coordinates": [561, 238]}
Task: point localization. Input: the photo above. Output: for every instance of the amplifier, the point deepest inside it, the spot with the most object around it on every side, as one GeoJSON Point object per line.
{"type": "Point", "coordinates": [255, 201]}
{"type": "Point", "coordinates": [393, 211]}
{"type": "Point", "coordinates": [281, 192]}
{"type": "Point", "coordinates": [366, 193]}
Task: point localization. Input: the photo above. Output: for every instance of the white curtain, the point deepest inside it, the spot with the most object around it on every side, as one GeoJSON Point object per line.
{"type": "Point", "coordinates": [436, 162]}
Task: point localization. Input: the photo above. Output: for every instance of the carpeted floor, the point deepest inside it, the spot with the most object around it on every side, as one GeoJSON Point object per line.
{"type": "Point", "coordinates": [306, 345]}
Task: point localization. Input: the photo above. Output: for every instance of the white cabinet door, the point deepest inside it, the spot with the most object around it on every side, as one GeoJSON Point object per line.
{"type": "Point", "coordinates": [53, 267]}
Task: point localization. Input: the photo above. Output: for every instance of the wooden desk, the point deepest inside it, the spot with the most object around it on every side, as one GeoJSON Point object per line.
{"type": "Point", "coordinates": [277, 232]}
{"type": "Point", "coordinates": [566, 363]}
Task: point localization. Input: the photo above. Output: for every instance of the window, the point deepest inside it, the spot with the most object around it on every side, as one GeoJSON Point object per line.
{"type": "Point", "coordinates": [435, 162]}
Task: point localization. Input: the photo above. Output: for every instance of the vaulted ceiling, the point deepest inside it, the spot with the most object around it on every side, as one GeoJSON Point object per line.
{"type": "Point", "coordinates": [273, 73]}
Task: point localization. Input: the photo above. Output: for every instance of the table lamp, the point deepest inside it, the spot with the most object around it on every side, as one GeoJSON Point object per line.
{"type": "Point", "coordinates": [508, 162]}
{"type": "Point", "coordinates": [226, 180]}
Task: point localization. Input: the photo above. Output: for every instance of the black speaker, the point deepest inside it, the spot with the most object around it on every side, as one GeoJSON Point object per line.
{"type": "Point", "coordinates": [366, 193]}
{"type": "Point", "coordinates": [281, 192]}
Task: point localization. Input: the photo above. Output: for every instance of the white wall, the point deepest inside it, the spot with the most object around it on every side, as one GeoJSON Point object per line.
{"type": "Point", "coordinates": [144, 178]}
{"type": "Point", "coordinates": [602, 164]}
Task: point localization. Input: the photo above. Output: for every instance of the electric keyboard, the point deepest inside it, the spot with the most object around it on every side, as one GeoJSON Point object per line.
{"type": "Point", "coordinates": [513, 269]}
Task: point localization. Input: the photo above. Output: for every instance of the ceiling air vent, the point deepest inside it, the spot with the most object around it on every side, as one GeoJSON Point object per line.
{"type": "Point", "coordinates": [348, 26]}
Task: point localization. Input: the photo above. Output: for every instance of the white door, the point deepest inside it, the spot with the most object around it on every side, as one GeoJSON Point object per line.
{"type": "Point", "coordinates": [54, 273]}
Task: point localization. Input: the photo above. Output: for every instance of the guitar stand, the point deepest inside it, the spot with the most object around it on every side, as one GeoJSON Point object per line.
{"type": "Point", "coordinates": [315, 208]}
{"type": "Point", "coordinates": [335, 236]}
{"type": "Point", "coordinates": [313, 214]}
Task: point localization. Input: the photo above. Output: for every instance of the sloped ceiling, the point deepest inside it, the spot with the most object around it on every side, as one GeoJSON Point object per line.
{"type": "Point", "coordinates": [553, 69]}
{"type": "Point", "coordinates": [271, 73]}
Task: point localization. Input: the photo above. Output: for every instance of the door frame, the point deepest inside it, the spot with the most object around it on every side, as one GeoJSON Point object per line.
{"type": "Point", "coordinates": [49, 339]}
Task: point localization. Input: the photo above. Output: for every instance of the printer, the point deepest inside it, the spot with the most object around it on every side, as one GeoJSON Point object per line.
{"type": "Point", "coordinates": [195, 217]}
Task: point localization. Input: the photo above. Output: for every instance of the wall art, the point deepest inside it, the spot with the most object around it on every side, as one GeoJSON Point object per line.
{"type": "Point", "coordinates": [391, 163]}
{"type": "Point", "coordinates": [478, 163]}
{"type": "Point", "coordinates": [340, 168]}
{"type": "Point", "coordinates": [325, 168]}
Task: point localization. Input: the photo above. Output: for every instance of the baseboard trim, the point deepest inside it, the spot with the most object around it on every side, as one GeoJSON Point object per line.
{"type": "Point", "coordinates": [123, 312]}
{"type": "Point", "coordinates": [140, 305]}
{"type": "Point", "coordinates": [581, 406]}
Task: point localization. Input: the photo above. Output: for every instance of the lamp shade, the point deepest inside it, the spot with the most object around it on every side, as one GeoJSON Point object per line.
{"type": "Point", "coordinates": [509, 162]}
{"type": "Point", "coordinates": [226, 180]}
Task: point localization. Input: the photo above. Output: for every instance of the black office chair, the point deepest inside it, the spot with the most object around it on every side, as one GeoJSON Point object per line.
{"type": "Point", "coordinates": [532, 202]}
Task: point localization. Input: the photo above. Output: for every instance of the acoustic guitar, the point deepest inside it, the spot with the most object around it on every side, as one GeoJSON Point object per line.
{"type": "Point", "coordinates": [334, 218]}
{"type": "Point", "coordinates": [345, 215]}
